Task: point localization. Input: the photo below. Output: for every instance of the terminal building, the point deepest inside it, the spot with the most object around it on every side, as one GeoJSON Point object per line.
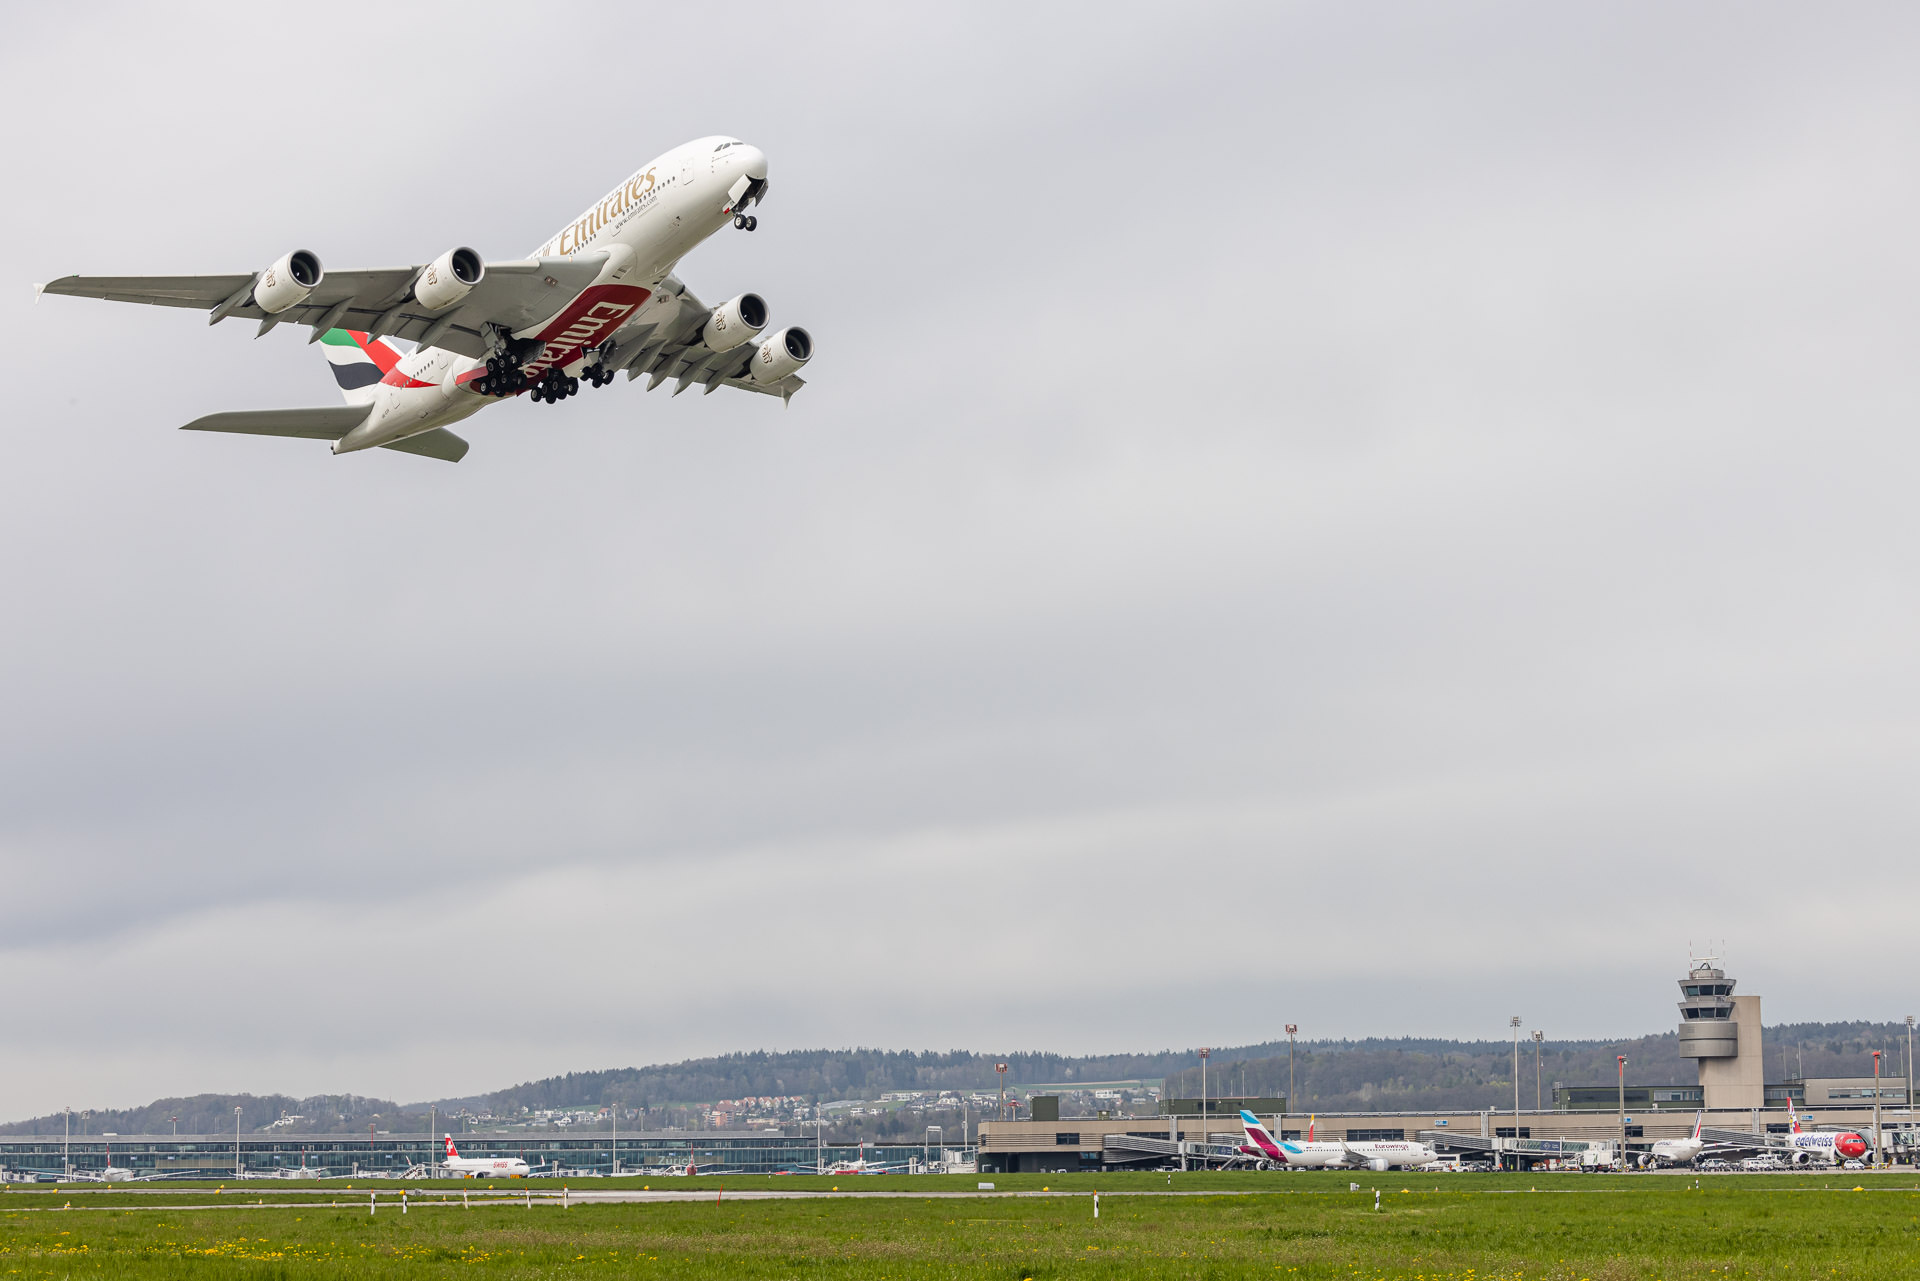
{"type": "Point", "coordinates": [212, 1156]}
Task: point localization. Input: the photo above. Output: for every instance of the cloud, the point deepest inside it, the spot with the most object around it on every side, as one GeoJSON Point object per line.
{"type": "Point", "coordinates": [1303, 514]}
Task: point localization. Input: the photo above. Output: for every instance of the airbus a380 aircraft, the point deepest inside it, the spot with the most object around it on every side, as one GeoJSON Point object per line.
{"type": "Point", "coordinates": [598, 298]}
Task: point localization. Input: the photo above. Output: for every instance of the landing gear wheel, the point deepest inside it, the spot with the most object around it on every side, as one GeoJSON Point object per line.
{"type": "Point", "coordinates": [740, 222]}
{"type": "Point", "coordinates": [573, 386]}
{"type": "Point", "coordinates": [752, 222]}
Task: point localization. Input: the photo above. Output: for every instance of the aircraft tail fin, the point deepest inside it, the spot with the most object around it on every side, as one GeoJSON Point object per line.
{"type": "Point", "coordinates": [359, 362]}
{"type": "Point", "coordinates": [1700, 1119]}
{"type": "Point", "coordinates": [452, 1151]}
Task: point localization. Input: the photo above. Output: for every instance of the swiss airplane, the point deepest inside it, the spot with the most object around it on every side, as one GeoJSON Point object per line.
{"type": "Point", "coordinates": [483, 1167]}
{"type": "Point", "coordinates": [417, 349]}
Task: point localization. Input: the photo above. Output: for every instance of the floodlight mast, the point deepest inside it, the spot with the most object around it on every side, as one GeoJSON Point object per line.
{"type": "Point", "coordinates": [1909, 1078]}
{"type": "Point", "coordinates": [1538, 1036]}
{"type": "Point", "coordinates": [1876, 1107]}
{"type": "Point", "coordinates": [1291, 1029]}
{"type": "Point", "coordinates": [1514, 1023]}
{"type": "Point", "coordinates": [1623, 1109]}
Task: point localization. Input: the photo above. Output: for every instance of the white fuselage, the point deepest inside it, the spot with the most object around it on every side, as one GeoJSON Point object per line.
{"type": "Point", "coordinates": [1313, 1155]}
{"type": "Point", "coordinates": [646, 225]}
{"type": "Point", "coordinates": [483, 1168]}
{"type": "Point", "coordinates": [1392, 1155]}
{"type": "Point", "coordinates": [1677, 1151]}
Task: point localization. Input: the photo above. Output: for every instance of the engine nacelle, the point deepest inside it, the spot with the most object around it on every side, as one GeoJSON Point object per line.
{"type": "Point", "coordinates": [287, 283]}
{"type": "Point", "coordinates": [1379, 1164]}
{"type": "Point", "coordinates": [735, 321]}
{"type": "Point", "coordinates": [783, 354]}
{"type": "Point", "coordinates": [448, 279]}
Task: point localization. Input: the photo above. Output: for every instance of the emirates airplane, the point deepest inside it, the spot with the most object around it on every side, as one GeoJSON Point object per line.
{"type": "Point", "coordinates": [416, 349]}
{"type": "Point", "coordinates": [483, 1167]}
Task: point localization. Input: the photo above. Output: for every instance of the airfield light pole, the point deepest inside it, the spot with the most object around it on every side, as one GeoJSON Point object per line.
{"type": "Point", "coordinates": [1909, 1078]}
{"type": "Point", "coordinates": [616, 1140]}
{"type": "Point", "coordinates": [1876, 1107]}
{"type": "Point", "coordinates": [1291, 1029]}
{"type": "Point", "coordinates": [176, 1125]}
{"type": "Point", "coordinates": [433, 1128]}
{"type": "Point", "coordinates": [1514, 1023]}
{"type": "Point", "coordinates": [1538, 1036]}
{"type": "Point", "coordinates": [926, 1145]}
{"type": "Point", "coordinates": [66, 1147]}
{"type": "Point", "coordinates": [236, 1142]}
{"type": "Point", "coordinates": [1205, 1054]}
{"type": "Point", "coordinates": [1001, 1068]}
{"type": "Point", "coordinates": [1621, 1156]}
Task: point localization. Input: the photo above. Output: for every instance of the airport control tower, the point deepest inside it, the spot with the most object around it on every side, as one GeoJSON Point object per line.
{"type": "Point", "coordinates": [1721, 1032]}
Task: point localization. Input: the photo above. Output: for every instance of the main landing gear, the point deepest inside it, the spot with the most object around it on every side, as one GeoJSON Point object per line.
{"type": "Point", "coordinates": [503, 378]}
{"type": "Point", "coordinates": [555, 387]}
{"type": "Point", "coordinates": [745, 222]}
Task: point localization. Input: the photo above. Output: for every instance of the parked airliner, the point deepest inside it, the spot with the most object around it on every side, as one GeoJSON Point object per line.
{"type": "Point", "coordinates": [597, 298]}
{"type": "Point", "coordinates": [1680, 1151]}
{"type": "Point", "coordinates": [483, 1167]}
{"type": "Point", "coordinates": [1829, 1146]}
{"type": "Point", "coordinates": [1374, 1154]}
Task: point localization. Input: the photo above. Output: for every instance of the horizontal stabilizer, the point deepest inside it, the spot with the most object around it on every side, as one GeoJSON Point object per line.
{"type": "Point", "coordinates": [438, 443]}
{"type": "Point", "coordinates": [329, 423]}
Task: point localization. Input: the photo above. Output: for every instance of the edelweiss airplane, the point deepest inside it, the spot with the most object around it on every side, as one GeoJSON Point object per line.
{"type": "Point", "coordinates": [1828, 1146]}
{"type": "Point", "coordinates": [483, 1167]}
{"type": "Point", "coordinates": [598, 298]}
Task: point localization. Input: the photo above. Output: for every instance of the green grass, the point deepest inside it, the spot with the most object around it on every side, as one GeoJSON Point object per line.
{"type": "Point", "coordinates": [1294, 1227]}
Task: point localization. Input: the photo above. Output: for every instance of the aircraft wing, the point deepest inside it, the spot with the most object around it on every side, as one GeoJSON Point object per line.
{"type": "Point", "coordinates": [378, 301]}
{"type": "Point", "coordinates": [674, 348]}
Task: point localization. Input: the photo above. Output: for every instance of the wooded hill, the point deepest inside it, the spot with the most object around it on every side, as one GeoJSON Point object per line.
{"type": "Point", "coordinates": [1377, 1074]}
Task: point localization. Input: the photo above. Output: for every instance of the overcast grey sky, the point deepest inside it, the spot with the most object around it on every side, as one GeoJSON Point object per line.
{"type": "Point", "coordinates": [1382, 517]}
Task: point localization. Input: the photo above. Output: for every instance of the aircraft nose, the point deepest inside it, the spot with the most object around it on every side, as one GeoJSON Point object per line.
{"type": "Point", "coordinates": [754, 161]}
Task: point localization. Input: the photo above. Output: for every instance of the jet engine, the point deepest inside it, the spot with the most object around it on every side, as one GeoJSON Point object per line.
{"type": "Point", "coordinates": [782, 354]}
{"type": "Point", "coordinates": [287, 283]}
{"type": "Point", "coordinates": [1379, 1163]}
{"type": "Point", "coordinates": [735, 321]}
{"type": "Point", "coordinates": [448, 279]}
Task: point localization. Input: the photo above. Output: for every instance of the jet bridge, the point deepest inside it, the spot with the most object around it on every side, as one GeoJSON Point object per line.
{"type": "Point", "coordinates": [1504, 1149]}
{"type": "Point", "coordinates": [1126, 1149]}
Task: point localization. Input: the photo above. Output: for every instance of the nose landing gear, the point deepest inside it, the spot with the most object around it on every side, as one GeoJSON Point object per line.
{"type": "Point", "coordinates": [745, 222]}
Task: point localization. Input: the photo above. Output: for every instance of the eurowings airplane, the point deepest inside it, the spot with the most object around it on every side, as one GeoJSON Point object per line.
{"type": "Point", "coordinates": [1379, 1154]}
{"type": "Point", "coordinates": [483, 1167]}
{"type": "Point", "coordinates": [417, 349]}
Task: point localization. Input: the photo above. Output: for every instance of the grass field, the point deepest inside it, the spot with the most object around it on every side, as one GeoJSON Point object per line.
{"type": "Point", "coordinates": [1296, 1226]}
